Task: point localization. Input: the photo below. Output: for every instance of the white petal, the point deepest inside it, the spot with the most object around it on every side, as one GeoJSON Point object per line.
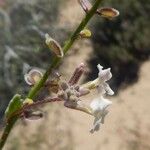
{"type": "Point", "coordinates": [95, 104]}
{"type": "Point", "coordinates": [104, 103]}
{"type": "Point", "coordinates": [103, 116]}
{"type": "Point", "coordinates": [108, 90]}
{"type": "Point", "coordinates": [99, 67]}
{"type": "Point", "coordinates": [96, 125]}
{"type": "Point", "coordinates": [105, 75]}
{"type": "Point", "coordinates": [101, 89]}
{"type": "Point", "coordinates": [99, 104]}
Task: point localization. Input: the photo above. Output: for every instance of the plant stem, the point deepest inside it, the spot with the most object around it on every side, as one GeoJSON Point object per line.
{"type": "Point", "coordinates": [7, 130]}
{"type": "Point", "coordinates": [32, 93]}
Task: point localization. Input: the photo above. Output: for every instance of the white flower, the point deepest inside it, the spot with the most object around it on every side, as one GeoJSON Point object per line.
{"type": "Point", "coordinates": [104, 75]}
{"type": "Point", "coordinates": [99, 106]}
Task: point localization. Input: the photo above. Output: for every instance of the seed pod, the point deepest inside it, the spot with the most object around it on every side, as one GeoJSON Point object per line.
{"type": "Point", "coordinates": [83, 91]}
{"type": "Point", "coordinates": [85, 33]}
{"type": "Point", "coordinates": [85, 4]}
{"type": "Point", "coordinates": [53, 86]}
{"type": "Point", "coordinates": [33, 115]}
{"type": "Point", "coordinates": [33, 76]}
{"type": "Point", "coordinates": [54, 46]}
{"type": "Point", "coordinates": [107, 12]}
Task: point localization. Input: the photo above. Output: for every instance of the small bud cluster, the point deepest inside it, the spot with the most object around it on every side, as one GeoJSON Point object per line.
{"type": "Point", "coordinates": [71, 93]}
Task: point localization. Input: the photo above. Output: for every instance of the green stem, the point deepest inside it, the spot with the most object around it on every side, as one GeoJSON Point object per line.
{"type": "Point", "coordinates": [7, 130]}
{"type": "Point", "coordinates": [32, 93]}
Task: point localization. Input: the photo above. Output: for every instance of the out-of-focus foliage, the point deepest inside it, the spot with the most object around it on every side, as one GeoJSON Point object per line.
{"type": "Point", "coordinates": [23, 24]}
{"type": "Point", "coordinates": [123, 43]}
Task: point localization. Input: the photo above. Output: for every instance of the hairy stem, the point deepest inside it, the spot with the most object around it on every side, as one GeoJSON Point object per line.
{"type": "Point", "coordinates": [32, 93]}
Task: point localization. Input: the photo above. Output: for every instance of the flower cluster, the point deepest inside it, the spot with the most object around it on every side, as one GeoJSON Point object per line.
{"type": "Point", "coordinates": [71, 92]}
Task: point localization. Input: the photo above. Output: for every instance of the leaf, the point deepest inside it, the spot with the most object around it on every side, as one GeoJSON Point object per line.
{"type": "Point", "coordinates": [14, 105]}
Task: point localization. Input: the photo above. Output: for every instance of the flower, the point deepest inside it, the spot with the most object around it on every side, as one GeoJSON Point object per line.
{"type": "Point", "coordinates": [99, 106]}
{"type": "Point", "coordinates": [72, 94]}
{"type": "Point", "coordinates": [100, 83]}
{"type": "Point", "coordinates": [104, 75]}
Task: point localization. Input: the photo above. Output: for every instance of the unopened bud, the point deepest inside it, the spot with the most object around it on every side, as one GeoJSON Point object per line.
{"type": "Point", "coordinates": [108, 12]}
{"type": "Point", "coordinates": [28, 101]}
{"type": "Point", "coordinates": [85, 33]}
{"type": "Point", "coordinates": [91, 84]}
{"type": "Point", "coordinates": [53, 86]}
{"type": "Point", "coordinates": [33, 76]}
{"type": "Point", "coordinates": [77, 74]}
{"type": "Point", "coordinates": [83, 91]}
{"type": "Point", "coordinates": [54, 46]}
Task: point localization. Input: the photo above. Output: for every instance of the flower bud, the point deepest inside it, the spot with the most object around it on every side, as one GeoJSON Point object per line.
{"type": "Point", "coordinates": [33, 76]}
{"type": "Point", "coordinates": [83, 91]}
{"type": "Point", "coordinates": [53, 86]}
{"type": "Point", "coordinates": [54, 46]}
{"type": "Point", "coordinates": [85, 33]}
{"type": "Point", "coordinates": [28, 101]}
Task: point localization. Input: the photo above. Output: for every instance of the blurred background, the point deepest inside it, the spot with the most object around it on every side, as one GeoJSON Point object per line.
{"type": "Point", "coordinates": [122, 44]}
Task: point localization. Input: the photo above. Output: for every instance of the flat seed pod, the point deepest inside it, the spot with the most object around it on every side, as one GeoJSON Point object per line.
{"type": "Point", "coordinates": [54, 46]}
{"type": "Point", "coordinates": [33, 115]}
{"type": "Point", "coordinates": [33, 76]}
{"type": "Point", "coordinates": [85, 4]}
{"type": "Point", "coordinates": [108, 12]}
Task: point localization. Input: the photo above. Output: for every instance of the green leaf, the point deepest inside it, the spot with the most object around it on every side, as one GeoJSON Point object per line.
{"type": "Point", "coordinates": [14, 105]}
